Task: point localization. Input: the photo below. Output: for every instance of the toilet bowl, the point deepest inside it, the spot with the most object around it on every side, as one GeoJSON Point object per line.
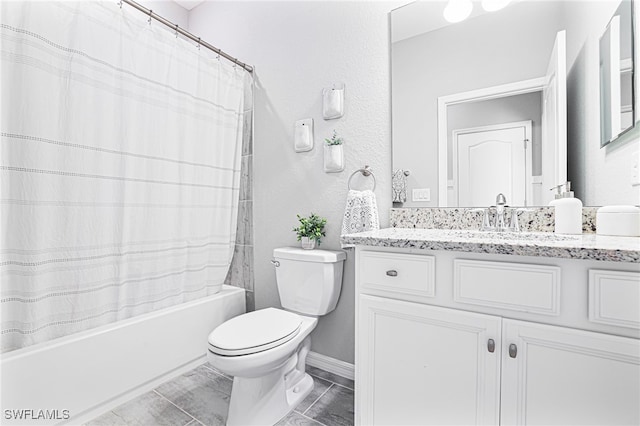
{"type": "Point", "coordinates": [265, 350]}
{"type": "Point", "coordinates": [269, 378]}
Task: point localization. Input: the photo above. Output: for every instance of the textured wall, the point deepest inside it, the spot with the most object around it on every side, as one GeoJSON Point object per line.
{"type": "Point", "coordinates": [298, 48]}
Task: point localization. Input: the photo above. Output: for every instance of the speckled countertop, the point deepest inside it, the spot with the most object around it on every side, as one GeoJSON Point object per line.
{"type": "Point", "coordinates": [544, 244]}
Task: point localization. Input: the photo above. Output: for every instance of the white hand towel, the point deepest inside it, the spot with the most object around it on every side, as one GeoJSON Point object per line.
{"type": "Point", "coordinates": [361, 212]}
{"type": "Point", "coordinates": [399, 186]}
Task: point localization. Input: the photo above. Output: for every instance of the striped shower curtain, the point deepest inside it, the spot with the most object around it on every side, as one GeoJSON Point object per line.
{"type": "Point", "coordinates": [119, 169]}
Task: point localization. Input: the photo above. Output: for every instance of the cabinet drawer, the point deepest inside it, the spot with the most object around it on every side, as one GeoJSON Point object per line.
{"type": "Point", "coordinates": [513, 286]}
{"type": "Point", "coordinates": [613, 298]}
{"type": "Point", "coordinates": [410, 274]}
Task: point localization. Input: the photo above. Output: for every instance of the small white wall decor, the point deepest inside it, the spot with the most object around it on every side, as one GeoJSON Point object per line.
{"type": "Point", "coordinates": [333, 154]}
{"type": "Point", "coordinates": [303, 135]}
{"type": "Point", "coordinates": [333, 102]}
{"type": "Point", "coordinates": [333, 158]}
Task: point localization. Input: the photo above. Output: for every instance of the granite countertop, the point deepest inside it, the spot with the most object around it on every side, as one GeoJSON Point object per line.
{"type": "Point", "coordinates": [544, 244]}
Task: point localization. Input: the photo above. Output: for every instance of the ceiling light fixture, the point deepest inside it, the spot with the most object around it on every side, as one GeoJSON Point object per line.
{"type": "Point", "coordinates": [458, 10]}
{"type": "Point", "coordinates": [493, 5]}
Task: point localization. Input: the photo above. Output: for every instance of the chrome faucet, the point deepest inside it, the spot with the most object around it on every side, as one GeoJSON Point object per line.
{"type": "Point", "coordinates": [501, 222]}
{"type": "Point", "coordinates": [501, 203]}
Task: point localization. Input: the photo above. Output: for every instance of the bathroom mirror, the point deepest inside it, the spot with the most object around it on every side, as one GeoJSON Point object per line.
{"type": "Point", "coordinates": [488, 75]}
{"type": "Point", "coordinates": [617, 114]}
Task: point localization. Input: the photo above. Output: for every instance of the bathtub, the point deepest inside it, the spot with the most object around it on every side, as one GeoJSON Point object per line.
{"type": "Point", "coordinates": [75, 378]}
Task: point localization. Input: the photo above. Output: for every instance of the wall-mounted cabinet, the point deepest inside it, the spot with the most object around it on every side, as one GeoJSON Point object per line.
{"type": "Point", "coordinates": [436, 361]}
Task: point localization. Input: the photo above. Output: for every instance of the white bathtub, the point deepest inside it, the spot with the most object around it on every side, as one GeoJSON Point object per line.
{"type": "Point", "coordinates": [91, 372]}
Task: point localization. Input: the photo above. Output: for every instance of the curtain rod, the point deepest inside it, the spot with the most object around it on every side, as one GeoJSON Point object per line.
{"type": "Point", "coordinates": [185, 33]}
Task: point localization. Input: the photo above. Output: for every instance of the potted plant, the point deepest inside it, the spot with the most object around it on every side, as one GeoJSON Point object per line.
{"type": "Point", "coordinates": [333, 154]}
{"type": "Point", "coordinates": [310, 230]}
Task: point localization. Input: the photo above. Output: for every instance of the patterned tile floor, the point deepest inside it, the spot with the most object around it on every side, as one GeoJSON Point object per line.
{"type": "Point", "coordinates": [201, 397]}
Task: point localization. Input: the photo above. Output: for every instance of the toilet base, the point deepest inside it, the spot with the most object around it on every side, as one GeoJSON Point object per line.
{"type": "Point", "coordinates": [267, 399]}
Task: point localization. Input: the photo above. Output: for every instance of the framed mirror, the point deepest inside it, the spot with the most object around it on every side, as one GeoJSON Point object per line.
{"type": "Point", "coordinates": [616, 67]}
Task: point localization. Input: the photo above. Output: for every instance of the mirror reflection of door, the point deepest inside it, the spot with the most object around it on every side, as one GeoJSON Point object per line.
{"type": "Point", "coordinates": [554, 119]}
{"type": "Point", "coordinates": [542, 100]}
{"type": "Point", "coordinates": [490, 160]}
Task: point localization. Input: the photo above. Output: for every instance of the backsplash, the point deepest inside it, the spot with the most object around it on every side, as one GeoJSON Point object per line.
{"type": "Point", "coordinates": [536, 219]}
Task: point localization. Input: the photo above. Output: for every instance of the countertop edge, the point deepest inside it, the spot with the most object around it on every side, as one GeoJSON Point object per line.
{"type": "Point", "coordinates": [536, 249]}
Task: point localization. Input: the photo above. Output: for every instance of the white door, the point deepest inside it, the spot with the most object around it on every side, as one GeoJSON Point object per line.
{"type": "Point", "coordinates": [425, 365]}
{"type": "Point", "coordinates": [561, 376]}
{"type": "Point", "coordinates": [491, 160]}
{"type": "Point", "coordinates": [554, 120]}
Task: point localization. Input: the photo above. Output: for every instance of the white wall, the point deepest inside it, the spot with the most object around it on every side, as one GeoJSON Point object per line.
{"type": "Point", "coordinates": [602, 176]}
{"type": "Point", "coordinates": [298, 48]}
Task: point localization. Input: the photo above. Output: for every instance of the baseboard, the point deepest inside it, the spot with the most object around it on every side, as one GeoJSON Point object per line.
{"type": "Point", "coordinates": [331, 365]}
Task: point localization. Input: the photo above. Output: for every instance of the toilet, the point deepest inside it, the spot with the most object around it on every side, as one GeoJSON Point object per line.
{"type": "Point", "coordinates": [266, 350]}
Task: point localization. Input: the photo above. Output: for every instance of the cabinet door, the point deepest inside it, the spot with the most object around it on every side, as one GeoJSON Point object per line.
{"type": "Point", "coordinates": [561, 376]}
{"type": "Point", "coordinates": [424, 365]}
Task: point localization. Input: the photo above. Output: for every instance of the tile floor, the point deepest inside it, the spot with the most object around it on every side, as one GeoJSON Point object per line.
{"type": "Point", "coordinates": [201, 397]}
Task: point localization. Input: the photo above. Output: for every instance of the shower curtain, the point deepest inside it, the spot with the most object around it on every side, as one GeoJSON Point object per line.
{"type": "Point", "coordinates": [120, 168]}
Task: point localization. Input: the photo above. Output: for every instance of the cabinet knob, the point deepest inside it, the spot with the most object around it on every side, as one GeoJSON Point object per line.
{"type": "Point", "coordinates": [392, 273]}
{"type": "Point", "coordinates": [491, 345]}
{"type": "Point", "coordinates": [513, 350]}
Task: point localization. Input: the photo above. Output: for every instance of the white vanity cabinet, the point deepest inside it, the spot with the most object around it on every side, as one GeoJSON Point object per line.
{"type": "Point", "coordinates": [441, 338]}
{"type": "Point", "coordinates": [563, 376]}
{"type": "Point", "coordinates": [424, 365]}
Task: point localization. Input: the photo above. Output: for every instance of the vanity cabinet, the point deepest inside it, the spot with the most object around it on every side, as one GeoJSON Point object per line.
{"type": "Point", "coordinates": [435, 349]}
{"type": "Point", "coordinates": [425, 365]}
{"type": "Point", "coordinates": [563, 376]}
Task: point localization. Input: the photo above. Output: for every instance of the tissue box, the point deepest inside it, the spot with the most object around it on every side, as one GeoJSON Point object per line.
{"type": "Point", "coordinates": [621, 221]}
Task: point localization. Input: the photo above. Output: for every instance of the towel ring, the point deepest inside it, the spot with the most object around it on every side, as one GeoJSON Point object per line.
{"type": "Point", "coordinates": [365, 172]}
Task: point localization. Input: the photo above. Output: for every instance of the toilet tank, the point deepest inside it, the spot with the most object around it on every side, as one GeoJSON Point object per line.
{"type": "Point", "coordinates": [309, 281]}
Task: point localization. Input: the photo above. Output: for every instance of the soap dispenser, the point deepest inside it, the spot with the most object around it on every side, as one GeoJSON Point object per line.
{"type": "Point", "coordinates": [568, 210]}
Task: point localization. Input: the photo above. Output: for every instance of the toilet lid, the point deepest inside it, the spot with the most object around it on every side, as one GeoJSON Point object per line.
{"type": "Point", "coordinates": [254, 332]}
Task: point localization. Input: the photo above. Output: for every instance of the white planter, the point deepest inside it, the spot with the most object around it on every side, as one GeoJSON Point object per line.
{"type": "Point", "coordinates": [307, 243]}
{"type": "Point", "coordinates": [333, 158]}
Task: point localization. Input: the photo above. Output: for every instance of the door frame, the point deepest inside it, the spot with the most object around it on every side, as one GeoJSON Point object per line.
{"type": "Point", "coordinates": [493, 92]}
{"type": "Point", "coordinates": [528, 175]}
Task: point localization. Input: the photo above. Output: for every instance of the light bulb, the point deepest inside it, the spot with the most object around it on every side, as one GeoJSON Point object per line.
{"type": "Point", "coordinates": [493, 5]}
{"type": "Point", "coordinates": [457, 10]}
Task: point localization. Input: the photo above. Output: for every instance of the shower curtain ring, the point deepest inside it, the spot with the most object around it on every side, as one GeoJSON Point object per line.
{"type": "Point", "coordinates": [176, 30]}
{"type": "Point", "coordinates": [120, 4]}
{"type": "Point", "coordinates": [198, 43]}
{"type": "Point", "coordinates": [150, 14]}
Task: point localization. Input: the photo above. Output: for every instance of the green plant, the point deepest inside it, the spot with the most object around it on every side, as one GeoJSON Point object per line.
{"type": "Point", "coordinates": [335, 140]}
{"type": "Point", "coordinates": [312, 227]}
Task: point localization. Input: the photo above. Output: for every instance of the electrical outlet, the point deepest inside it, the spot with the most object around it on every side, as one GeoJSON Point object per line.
{"type": "Point", "coordinates": [421, 194]}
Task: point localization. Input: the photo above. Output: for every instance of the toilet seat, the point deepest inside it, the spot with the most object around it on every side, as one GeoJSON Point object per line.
{"type": "Point", "coordinates": [254, 332]}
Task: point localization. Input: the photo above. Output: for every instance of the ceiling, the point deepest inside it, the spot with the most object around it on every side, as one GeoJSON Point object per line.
{"type": "Point", "coordinates": [188, 4]}
{"type": "Point", "coordinates": [423, 16]}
